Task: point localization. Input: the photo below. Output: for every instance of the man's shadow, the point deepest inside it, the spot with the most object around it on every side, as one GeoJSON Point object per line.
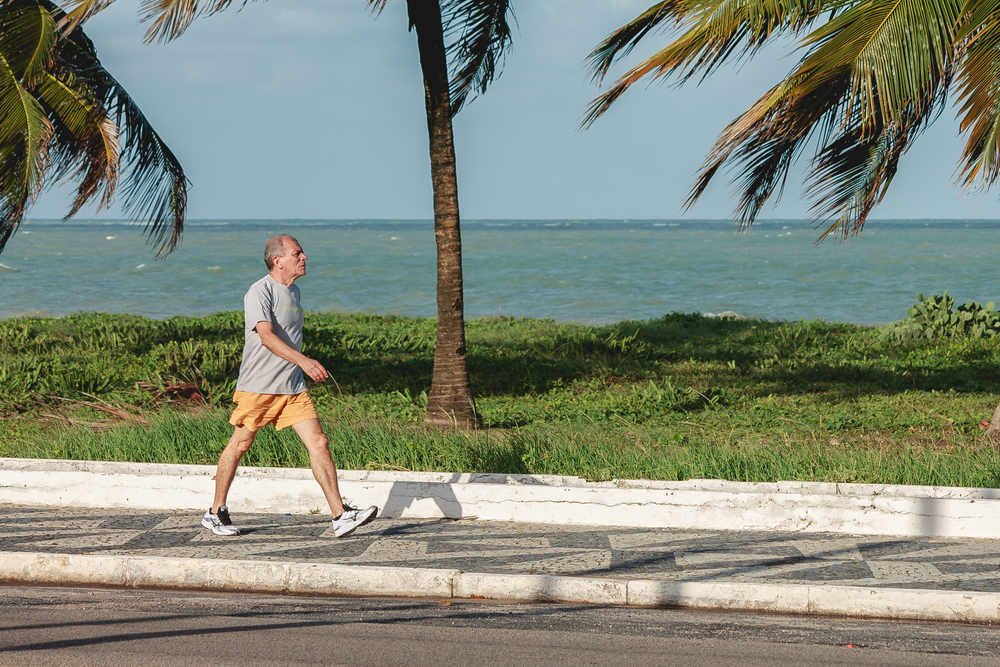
{"type": "Point", "coordinates": [404, 495]}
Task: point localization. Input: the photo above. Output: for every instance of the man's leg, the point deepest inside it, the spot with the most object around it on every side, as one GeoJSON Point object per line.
{"type": "Point", "coordinates": [229, 460]}
{"type": "Point", "coordinates": [323, 467]}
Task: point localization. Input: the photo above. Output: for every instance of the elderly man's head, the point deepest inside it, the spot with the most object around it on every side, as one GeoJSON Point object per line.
{"type": "Point", "coordinates": [276, 248]}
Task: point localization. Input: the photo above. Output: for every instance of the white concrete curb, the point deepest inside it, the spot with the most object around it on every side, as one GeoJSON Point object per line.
{"type": "Point", "coordinates": [856, 509]}
{"type": "Point", "coordinates": [344, 580]}
{"type": "Point", "coordinates": [223, 575]}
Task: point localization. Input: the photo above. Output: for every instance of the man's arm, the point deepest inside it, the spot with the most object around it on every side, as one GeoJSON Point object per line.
{"type": "Point", "coordinates": [280, 348]}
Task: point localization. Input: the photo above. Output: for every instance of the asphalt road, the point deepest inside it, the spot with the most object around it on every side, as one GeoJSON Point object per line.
{"type": "Point", "coordinates": [81, 627]}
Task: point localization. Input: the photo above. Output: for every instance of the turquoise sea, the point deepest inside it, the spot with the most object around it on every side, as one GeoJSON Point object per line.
{"type": "Point", "coordinates": [585, 271]}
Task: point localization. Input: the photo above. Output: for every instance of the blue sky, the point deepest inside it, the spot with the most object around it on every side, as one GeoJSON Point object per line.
{"type": "Point", "coordinates": [314, 109]}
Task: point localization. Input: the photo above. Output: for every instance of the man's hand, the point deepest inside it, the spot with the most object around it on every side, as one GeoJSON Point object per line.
{"type": "Point", "coordinates": [270, 340]}
{"type": "Point", "coordinates": [314, 369]}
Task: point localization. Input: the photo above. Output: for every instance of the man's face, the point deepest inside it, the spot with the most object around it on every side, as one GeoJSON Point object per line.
{"type": "Point", "coordinates": [293, 263]}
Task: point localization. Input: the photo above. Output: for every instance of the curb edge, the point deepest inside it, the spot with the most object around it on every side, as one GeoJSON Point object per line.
{"type": "Point", "coordinates": [330, 579]}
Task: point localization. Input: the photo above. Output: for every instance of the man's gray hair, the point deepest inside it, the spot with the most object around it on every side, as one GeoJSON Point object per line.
{"type": "Point", "coordinates": [276, 248]}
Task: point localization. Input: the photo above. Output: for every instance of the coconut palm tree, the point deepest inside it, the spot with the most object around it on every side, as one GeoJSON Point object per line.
{"type": "Point", "coordinates": [872, 76]}
{"type": "Point", "coordinates": [64, 117]}
{"type": "Point", "coordinates": [472, 37]}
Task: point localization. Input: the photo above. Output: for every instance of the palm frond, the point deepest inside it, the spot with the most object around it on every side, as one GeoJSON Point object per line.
{"type": "Point", "coordinates": [155, 184]}
{"type": "Point", "coordinates": [897, 51]}
{"type": "Point", "coordinates": [979, 90]}
{"type": "Point", "coordinates": [377, 6]}
{"type": "Point", "coordinates": [713, 31]}
{"type": "Point", "coordinates": [852, 174]}
{"type": "Point", "coordinates": [27, 35]}
{"type": "Point", "coordinates": [88, 150]}
{"type": "Point", "coordinates": [74, 13]}
{"type": "Point", "coordinates": [155, 187]}
{"type": "Point", "coordinates": [872, 79]}
{"type": "Point", "coordinates": [25, 132]}
{"type": "Point", "coordinates": [620, 43]}
{"type": "Point", "coordinates": [482, 36]}
{"type": "Point", "coordinates": [767, 138]}
{"type": "Point", "coordinates": [60, 117]}
{"type": "Point", "coordinates": [170, 18]}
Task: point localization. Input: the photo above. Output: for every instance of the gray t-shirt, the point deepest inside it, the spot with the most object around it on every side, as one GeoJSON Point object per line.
{"type": "Point", "coordinates": [263, 372]}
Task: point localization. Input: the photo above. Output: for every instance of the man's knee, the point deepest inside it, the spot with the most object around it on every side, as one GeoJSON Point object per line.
{"type": "Point", "coordinates": [241, 447]}
{"type": "Point", "coordinates": [317, 442]}
{"type": "Point", "coordinates": [241, 441]}
{"type": "Point", "coordinates": [312, 435]}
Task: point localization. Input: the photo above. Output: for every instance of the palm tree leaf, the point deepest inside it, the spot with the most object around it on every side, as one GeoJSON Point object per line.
{"type": "Point", "coordinates": [975, 16]}
{"type": "Point", "coordinates": [74, 13]}
{"type": "Point", "coordinates": [979, 74]}
{"type": "Point", "coordinates": [897, 51]}
{"type": "Point", "coordinates": [767, 138]}
{"type": "Point", "coordinates": [852, 174]}
{"type": "Point", "coordinates": [27, 35]}
{"type": "Point", "coordinates": [170, 18]}
{"type": "Point", "coordinates": [155, 184]}
{"type": "Point", "coordinates": [90, 152]}
{"type": "Point", "coordinates": [871, 80]}
{"type": "Point", "coordinates": [24, 137]}
{"type": "Point", "coordinates": [60, 114]}
{"type": "Point", "coordinates": [713, 32]}
{"type": "Point", "coordinates": [155, 188]}
{"type": "Point", "coordinates": [482, 37]}
{"type": "Point", "coordinates": [620, 43]}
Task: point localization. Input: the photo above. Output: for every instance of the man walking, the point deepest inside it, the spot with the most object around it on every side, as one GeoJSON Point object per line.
{"type": "Point", "coordinates": [272, 390]}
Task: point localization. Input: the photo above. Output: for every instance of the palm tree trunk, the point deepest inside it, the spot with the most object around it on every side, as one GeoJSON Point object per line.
{"type": "Point", "coordinates": [992, 434]}
{"type": "Point", "coordinates": [450, 402]}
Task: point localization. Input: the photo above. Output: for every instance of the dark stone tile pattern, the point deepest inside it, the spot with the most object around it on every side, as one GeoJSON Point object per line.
{"type": "Point", "coordinates": [516, 548]}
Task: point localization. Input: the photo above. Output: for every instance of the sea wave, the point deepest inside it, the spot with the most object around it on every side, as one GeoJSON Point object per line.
{"type": "Point", "coordinates": [731, 314]}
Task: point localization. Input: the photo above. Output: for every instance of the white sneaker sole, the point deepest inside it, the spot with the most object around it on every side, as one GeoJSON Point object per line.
{"type": "Point", "coordinates": [225, 531]}
{"type": "Point", "coordinates": [344, 531]}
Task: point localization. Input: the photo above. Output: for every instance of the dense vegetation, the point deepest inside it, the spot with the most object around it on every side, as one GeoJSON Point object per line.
{"type": "Point", "coordinates": [683, 396]}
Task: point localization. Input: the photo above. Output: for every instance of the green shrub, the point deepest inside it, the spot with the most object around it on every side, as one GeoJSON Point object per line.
{"type": "Point", "coordinates": [936, 317]}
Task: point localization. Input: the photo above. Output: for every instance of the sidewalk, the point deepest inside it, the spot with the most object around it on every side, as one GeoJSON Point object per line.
{"type": "Point", "coordinates": [784, 507]}
{"type": "Point", "coordinates": [832, 573]}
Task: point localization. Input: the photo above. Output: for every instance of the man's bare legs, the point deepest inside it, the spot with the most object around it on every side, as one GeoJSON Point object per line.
{"type": "Point", "coordinates": [317, 444]}
{"type": "Point", "coordinates": [323, 467]}
{"type": "Point", "coordinates": [229, 460]}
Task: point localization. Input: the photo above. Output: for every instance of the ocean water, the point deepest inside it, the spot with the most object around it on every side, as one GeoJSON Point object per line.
{"type": "Point", "coordinates": [568, 270]}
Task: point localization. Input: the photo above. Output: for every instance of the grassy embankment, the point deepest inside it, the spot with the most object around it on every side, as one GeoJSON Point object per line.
{"type": "Point", "coordinates": [676, 398]}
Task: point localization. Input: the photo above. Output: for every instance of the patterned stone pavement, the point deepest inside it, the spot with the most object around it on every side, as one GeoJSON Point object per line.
{"type": "Point", "coordinates": [515, 548]}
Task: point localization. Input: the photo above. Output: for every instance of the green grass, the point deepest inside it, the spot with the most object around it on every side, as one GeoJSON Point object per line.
{"type": "Point", "coordinates": [675, 398]}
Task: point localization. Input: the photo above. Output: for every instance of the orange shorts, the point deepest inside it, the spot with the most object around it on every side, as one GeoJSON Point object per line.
{"type": "Point", "coordinates": [255, 411]}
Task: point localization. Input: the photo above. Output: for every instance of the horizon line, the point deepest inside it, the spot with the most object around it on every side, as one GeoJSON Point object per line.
{"type": "Point", "coordinates": [471, 219]}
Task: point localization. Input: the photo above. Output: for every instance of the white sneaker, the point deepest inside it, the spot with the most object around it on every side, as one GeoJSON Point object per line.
{"type": "Point", "coordinates": [220, 523]}
{"type": "Point", "coordinates": [351, 519]}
